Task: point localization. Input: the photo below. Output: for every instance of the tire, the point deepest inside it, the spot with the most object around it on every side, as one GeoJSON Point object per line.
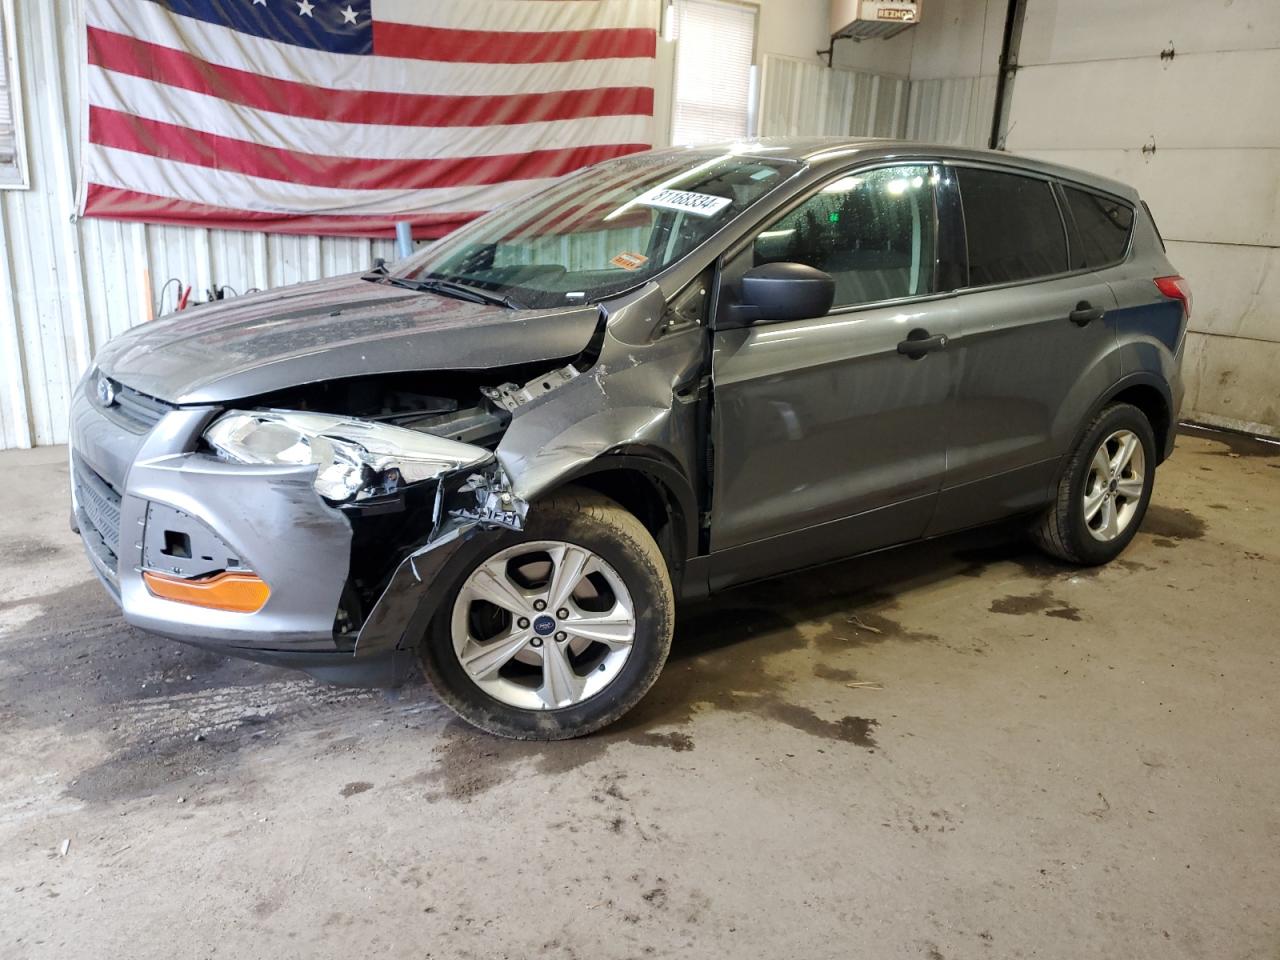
{"type": "Point", "coordinates": [519, 699]}
{"type": "Point", "coordinates": [1068, 530]}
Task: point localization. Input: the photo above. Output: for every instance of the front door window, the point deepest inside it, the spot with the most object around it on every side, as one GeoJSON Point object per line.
{"type": "Point", "coordinates": [873, 231]}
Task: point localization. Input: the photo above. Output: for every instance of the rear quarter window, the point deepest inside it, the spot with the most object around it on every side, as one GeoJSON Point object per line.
{"type": "Point", "coordinates": [1013, 227]}
{"type": "Point", "coordinates": [1103, 225]}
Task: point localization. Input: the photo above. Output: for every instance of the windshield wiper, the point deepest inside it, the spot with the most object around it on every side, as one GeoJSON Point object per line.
{"type": "Point", "coordinates": [459, 291]}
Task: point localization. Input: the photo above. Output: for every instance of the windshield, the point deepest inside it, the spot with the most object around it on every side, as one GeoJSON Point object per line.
{"type": "Point", "coordinates": [601, 231]}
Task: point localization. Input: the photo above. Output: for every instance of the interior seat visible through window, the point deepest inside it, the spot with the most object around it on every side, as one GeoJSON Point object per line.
{"type": "Point", "coordinates": [872, 231]}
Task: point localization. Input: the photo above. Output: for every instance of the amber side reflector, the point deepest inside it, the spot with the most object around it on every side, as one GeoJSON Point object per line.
{"type": "Point", "coordinates": [236, 592]}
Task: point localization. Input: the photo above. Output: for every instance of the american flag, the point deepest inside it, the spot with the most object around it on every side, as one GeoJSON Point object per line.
{"type": "Point", "coordinates": [346, 116]}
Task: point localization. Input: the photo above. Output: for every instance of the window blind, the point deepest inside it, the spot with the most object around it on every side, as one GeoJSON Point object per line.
{"type": "Point", "coordinates": [716, 46]}
{"type": "Point", "coordinates": [11, 167]}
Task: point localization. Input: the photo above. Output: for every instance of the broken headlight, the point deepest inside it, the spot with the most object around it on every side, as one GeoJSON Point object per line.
{"type": "Point", "coordinates": [355, 458]}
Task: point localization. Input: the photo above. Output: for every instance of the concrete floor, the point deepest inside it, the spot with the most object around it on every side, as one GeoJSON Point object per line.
{"type": "Point", "coordinates": [957, 750]}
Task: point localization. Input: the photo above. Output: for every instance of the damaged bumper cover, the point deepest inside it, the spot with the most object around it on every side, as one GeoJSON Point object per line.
{"type": "Point", "coordinates": [150, 506]}
{"type": "Point", "coordinates": [471, 508]}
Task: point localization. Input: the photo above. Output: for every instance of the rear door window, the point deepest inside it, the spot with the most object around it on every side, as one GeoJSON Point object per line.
{"type": "Point", "coordinates": [1013, 227]}
{"type": "Point", "coordinates": [872, 230]}
{"type": "Point", "coordinates": [1103, 225]}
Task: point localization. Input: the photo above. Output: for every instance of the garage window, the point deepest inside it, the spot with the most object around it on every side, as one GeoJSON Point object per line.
{"type": "Point", "coordinates": [714, 57]}
{"type": "Point", "coordinates": [1013, 226]}
{"type": "Point", "coordinates": [872, 231]}
{"type": "Point", "coordinates": [13, 165]}
{"type": "Point", "coordinates": [1103, 227]}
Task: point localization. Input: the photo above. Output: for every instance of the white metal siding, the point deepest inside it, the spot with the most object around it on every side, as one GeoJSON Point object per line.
{"type": "Point", "coordinates": [955, 56]}
{"type": "Point", "coordinates": [1092, 90]}
{"type": "Point", "coordinates": [67, 287]}
{"type": "Point", "coordinates": [801, 97]}
{"type": "Point", "coordinates": [955, 111]}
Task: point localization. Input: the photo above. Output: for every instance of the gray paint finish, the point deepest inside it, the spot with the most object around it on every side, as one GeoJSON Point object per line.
{"type": "Point", "coordinates": [329, 329]}
{"type": "Point", "coordinates": [822, 419]}
{"type": "Point", "coordinates": [786, 444]}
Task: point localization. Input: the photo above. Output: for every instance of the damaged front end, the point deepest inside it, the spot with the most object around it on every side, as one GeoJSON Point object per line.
{"type": "Point", "coordinates": [410, 465]}
{"type": "Point", "coordinates": [469, 508]}
{"type": "Point", "coordinates": [474, 450]}
{"type": "Point", "coordinates": [626, 398]}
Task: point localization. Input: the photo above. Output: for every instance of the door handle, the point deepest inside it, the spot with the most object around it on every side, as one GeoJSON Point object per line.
{"type": "Point", "coordinates": [918, 343]}
{"type": "Point", "coordinates": [1085, 313]}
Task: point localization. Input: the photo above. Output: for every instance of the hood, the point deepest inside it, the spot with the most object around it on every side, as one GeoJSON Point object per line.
{"type": "Point", "coordinates": [328, 329]}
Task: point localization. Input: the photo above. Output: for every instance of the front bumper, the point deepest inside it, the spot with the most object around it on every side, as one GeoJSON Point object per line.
{"type": "Point", "coordinates": [137, 487]}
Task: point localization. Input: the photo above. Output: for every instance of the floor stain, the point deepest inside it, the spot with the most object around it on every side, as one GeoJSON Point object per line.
{"type": "Point", "coordinates": [1030, 561]}
{"type": "Point", "coordinates": [679, 742]}
{"type": "Point", "coordinates": [356, 786]}
{"type": "Point", "coordinates": [182, 712]}
{"type": "Point", "coordinates": [824, 671]}
{"type": "Point", "coordinates": [1172, 523]}
{"type": "Point", "coordinates": [855, 730]}
{"type": "Point", "coordinates": [1237, 444]}
{"type": "Point", "coordinates": [1132, 566]}
{"type": "Point", "coordinates": [1042, 601]}
{"type": "Point", "coordinates": [26, 552]}
{"type": "Point", "coordinates": [166, 711]}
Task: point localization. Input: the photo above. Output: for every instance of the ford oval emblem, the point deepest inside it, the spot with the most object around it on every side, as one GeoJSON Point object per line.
{"type": "Point", "coordinates": [106, 392]}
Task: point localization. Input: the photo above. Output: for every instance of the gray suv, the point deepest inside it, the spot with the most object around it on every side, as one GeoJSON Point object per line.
{"type": "Point", "coordinates": [506, 457]}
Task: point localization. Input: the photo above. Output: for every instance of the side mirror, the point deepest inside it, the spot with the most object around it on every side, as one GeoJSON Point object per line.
{"type": "Point", "coordinates": [783, 291]}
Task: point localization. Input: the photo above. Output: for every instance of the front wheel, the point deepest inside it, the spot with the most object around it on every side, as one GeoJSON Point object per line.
{"type": "Point", "coordinates": [556, 631]}
{"type": "Point", "coordinates": [1104, 491]}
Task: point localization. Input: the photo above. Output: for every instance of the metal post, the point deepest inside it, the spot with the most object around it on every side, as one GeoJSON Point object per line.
{"type": "Point", "coordinates": [404, 240]}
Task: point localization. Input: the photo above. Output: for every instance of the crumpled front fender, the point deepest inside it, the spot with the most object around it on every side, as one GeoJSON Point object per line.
{"type": "Point", "coordinates": [472, 511]}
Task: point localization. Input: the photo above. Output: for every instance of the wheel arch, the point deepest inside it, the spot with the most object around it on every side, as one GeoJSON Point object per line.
{"type": "Point", "coordinates": [1153, 397]}
{"type": "Point", "coordinates": [649, 485]}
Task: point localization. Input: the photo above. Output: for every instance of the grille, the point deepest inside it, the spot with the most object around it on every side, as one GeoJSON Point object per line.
{"type": "Point", "coordinates": [136, 411]}
{"type": "Point", "coordinates": [99, 508]}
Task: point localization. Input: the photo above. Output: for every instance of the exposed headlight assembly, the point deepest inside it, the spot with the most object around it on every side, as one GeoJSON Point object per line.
{"type": "Point", "coordinates": [356, 458]}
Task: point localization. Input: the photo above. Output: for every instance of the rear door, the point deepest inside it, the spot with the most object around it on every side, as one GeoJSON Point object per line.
{"type": "Point", "coordinates": [828, 440]}
{"type": "Point", "coordinates": [1036, 346]}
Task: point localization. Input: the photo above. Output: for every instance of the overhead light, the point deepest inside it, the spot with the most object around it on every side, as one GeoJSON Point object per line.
{"type": "Point", "coordinates": [843, 185]}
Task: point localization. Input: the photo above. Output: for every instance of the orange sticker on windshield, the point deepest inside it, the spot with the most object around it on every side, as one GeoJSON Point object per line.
{"type": "Point", "coordinates": [630, 261]}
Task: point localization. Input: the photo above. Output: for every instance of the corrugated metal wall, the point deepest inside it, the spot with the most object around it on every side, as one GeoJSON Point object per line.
{"type": "Point", "coordinates": [803, 97]}
{"type": "Point", "coordinates": [955, 56]}
{"type": "Point", "coordinates": [68, 287]}
{"type": "Point", "coordinates": [955, 110]}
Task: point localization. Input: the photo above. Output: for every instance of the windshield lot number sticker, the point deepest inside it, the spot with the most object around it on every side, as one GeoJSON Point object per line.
{"type": "Point", "coordinates": [699, 204]}
{"type": "Point", "coordinates": [630, 261]}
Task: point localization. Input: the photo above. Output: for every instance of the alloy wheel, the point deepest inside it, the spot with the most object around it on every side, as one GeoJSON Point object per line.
{"type": "Point", "coordinates": [543, 625]}
{"type": "Point", "coordinates": [1114, 484]}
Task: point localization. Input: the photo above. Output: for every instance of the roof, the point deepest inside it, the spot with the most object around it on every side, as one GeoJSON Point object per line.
{"type": "Point", "coordinates": [829, 151]}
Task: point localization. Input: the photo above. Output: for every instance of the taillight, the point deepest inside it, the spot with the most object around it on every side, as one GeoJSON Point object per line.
{"type": "Point", "coordinates": [1176, 288]}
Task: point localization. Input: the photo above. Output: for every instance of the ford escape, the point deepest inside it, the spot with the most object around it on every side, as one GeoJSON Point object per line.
{"type": "Point", "coordinates": [507, 456]}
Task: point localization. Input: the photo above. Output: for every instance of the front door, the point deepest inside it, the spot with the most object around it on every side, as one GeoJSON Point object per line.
{"type": "Point", "coordinates": [829, 439]}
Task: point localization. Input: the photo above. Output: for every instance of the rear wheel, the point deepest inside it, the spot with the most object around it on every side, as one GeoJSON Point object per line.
{"type": "Point", "coordinates": [558, 630]}
{"type": "Point", "coordinates": [1104, 491]}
